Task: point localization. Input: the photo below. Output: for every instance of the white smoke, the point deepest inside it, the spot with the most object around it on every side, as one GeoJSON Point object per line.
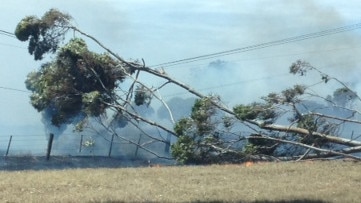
{"type": "Point", "coordinates": [158, 33]}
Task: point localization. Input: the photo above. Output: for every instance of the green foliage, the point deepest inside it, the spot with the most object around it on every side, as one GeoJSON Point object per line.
{"type": "Point", "coordinates": [182, 127]}
{"type": "Point", "coordinates": [93, 103]}
{"type": "Point", "coordinates": [245, 112]}
{"type": "Point", "coordinates": [291, 95]}
{"type": "Point", "coordinates": [258, 145]}
{"type": "Point", "coordinates": [202, 111]}
{"type": "Point", "coordinates": [254, 111]}
{"type": "Point", "coordinates": [44, 34]}
{"type": "Point", "coordinates": [273, 98]}
{"type": "Point", "coordinates": [76, 82]}
{"type": "Point", "coordinates": [80, 126]}
{"type": "Point", "coordinates": [307, 122]}
{"type": "Point", "coordinates": [142, 96]}
{"type": "Point", "coordinates": [250, 149]}
{"type": "Point", "coordinates": [199, 141]}
{"type": "Point", "coordinates": [313, 123]}
{"type": "Point", "coordinates": [29, 26]}
{"type": "Point", "coordinates": [184, 150]}
{"type": "Point", "coordinates": [300, 67]}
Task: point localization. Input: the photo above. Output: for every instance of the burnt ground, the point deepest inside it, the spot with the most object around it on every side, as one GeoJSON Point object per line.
{"type": "Point", "coordinates": [15, 163]}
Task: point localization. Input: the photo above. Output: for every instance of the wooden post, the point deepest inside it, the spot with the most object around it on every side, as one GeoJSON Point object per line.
{"type": "Point", "coordinates": [111, 146]}
{"type": "Point", "coordinates": [50, 144]}
{"type": "Point", "coordinates": [7, 150]}
{"type": "Point", "coordinates": [167, 144]}
{"type": "Point", "coordinates": [136, 149]}
{"type": "Point", "coordinates": [81, 143]}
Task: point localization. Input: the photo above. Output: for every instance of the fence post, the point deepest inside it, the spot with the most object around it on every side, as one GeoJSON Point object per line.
{"type": "Point", "coordinates": [111, 146]}
{"type": "Point", "coordinates": [167, 144]}
{"type": "Point", "coordinates": [136, 149]}
{"type": "Point", "coordinates": [81, 143]}
{"type": "Point", "coordinates": [7, 150]}
{"type": "Point", "coordinates": [50, 144]}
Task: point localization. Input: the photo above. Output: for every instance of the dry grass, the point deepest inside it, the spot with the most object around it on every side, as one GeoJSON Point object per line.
{"type": "Point", "coordinates": [337, 181]}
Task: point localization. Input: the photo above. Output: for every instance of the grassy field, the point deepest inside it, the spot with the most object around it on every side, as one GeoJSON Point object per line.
{"type": "Point", "coordinates": [333, 181]}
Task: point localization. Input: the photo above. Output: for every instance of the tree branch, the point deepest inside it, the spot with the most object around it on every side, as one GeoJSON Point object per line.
{"type": "Point", "coordinates": [336, 118]}
{"type": "Point", "coordinates": [111, 131]}
{"type": "Point", "coordinates": [305, 132]}
{"type": "Point", "coordinates": [137, 117]}
{"type": "Point", "coordinates": [327, 151]}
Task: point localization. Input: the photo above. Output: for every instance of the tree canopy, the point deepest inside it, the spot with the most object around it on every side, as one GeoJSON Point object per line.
{"type": "Point", "coordinates": [45, 33]}
{"type": "Point", "coordinates": [77, 82]}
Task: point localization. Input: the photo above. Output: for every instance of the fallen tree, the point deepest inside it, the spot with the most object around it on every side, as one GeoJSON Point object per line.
{"type": "Point", "coordinates": [78, 85]}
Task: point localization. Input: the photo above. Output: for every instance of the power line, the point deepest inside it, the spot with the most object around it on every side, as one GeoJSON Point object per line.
{"type": "Point", "coordinates": [231, 84]}
{"type": "Point", "coordinates": [6, 33]}
{"type": "Point", "coordinates": [14, 89]}
{"type": "Point", "coordinates": [262, 45]}
{"type": "Point", "coordinates": [250, 80]}
{"type": "Point", "coordinates": [282, 55]}
{"type": "Point", "coordinates": [230, 52]}
{"type": "Point", "coordinates": [9, 34]}
{"type": "Point", "coordinates": [12, 36]}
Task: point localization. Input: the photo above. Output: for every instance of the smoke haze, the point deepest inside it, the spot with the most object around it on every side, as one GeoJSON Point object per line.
{"type": "Point", "coordinates": [162, 31]}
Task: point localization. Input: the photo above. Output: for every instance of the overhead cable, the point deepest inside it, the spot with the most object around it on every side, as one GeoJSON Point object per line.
{"type": "Point", "coordinates": [14, 89]}
{"type": "Point", "coordinates": [6, 33]}
{"type": "Point", "coordinates": [261, 46]}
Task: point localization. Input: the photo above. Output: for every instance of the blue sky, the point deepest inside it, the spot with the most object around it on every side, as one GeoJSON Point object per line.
{"type": "Point", "coordinates": [161, 31]}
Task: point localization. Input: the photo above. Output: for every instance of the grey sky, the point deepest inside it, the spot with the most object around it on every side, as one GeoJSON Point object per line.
{"type": "Point", "coordinates": [160, 31]}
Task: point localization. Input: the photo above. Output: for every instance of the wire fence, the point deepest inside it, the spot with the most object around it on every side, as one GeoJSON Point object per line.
{"type": "Point", "coordinates": [81, 145]}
